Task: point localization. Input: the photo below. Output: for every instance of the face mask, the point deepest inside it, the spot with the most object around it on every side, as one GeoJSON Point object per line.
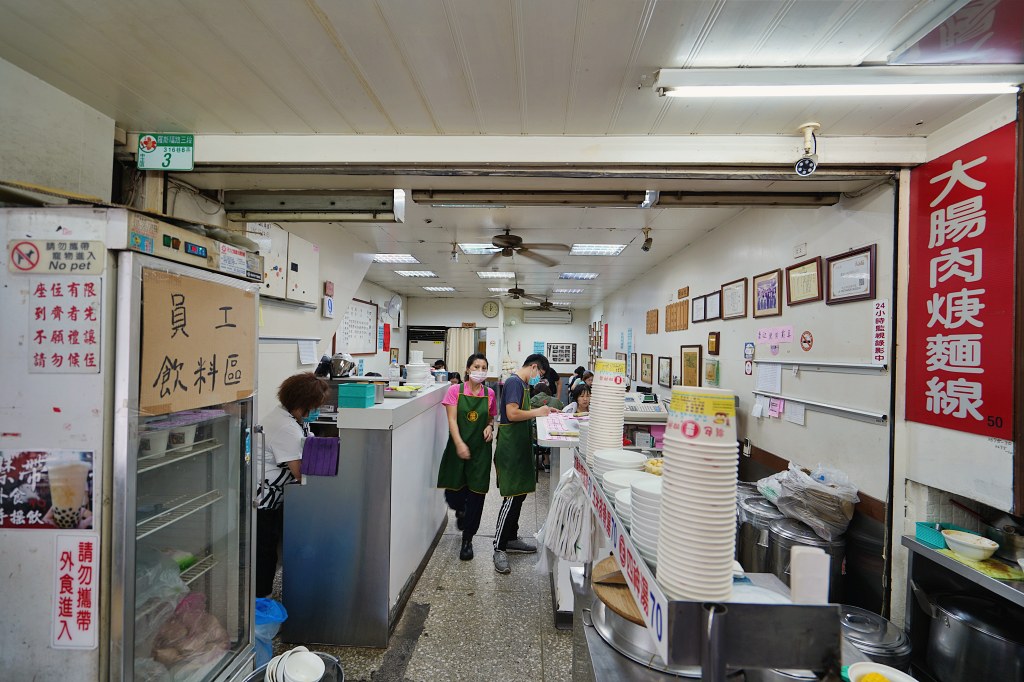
{"type": "Point", "coordinates": [535, 380]}
{"type": "Point", "coordinates": [312, 416]}
{"type": "Point", "coordinates": [478, 377]}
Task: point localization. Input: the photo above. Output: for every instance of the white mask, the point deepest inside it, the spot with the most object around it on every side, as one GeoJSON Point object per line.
{"type": "Point", "coordinates": [478, 377]}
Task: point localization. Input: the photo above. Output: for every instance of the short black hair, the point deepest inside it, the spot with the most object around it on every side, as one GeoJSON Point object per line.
{"type": "Point", "coordinates": [439, 364]}
{"type": "Point", "coordinates": [580, 371]}
{"type": "Point", "coordinates": [579, 390]}
{"type": "Point", "coordinates": [474, 357]}
{"type": "Point", "coordinates": [539, 388]}
{"type": "Point", "coordinates": [539, 359]}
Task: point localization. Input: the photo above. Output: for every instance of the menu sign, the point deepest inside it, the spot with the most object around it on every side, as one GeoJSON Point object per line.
{"type": "Point", "coordinates": [961, 288]}
{"type": "Point", "coordinates": [198, 347]}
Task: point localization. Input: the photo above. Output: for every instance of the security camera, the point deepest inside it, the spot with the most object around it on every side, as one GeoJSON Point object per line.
{"type": "Point", "coordinates": [649, 241]}
{"type": "Point", "coordinates": [455, 256]}
{"type": "Point", "coordinates": [806, 165]}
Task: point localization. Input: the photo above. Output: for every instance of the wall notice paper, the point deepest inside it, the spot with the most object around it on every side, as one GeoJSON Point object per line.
{"type": "Point", "coordinates": [198, 345]}
{"type": "Point", "coordinates": [775, 335]}
{"type": "Point", "coordinates": [64, 325]}
{"type": "Point", "coordinates": [76, 579]}
{"type": "Point", "coordinates": [768, 378]}
{"type": "Point", "coordinates": [760, 408]}
{"type": "Point", "coordinates": [775, 407]}
{"type": "Point", "coordinates": [307, 352]}
{"type": "Point", "coordinates": [538, 347]}
{"type": "Point", "coordinates": [795, 413]}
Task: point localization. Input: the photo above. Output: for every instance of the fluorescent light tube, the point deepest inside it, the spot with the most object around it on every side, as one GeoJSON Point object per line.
{"type": "Point", "coordinates": [487, 274]}
{"type": "Point", "coordinates": [415, 273]}
{"type": "Point", "coordinates": [394, 258]}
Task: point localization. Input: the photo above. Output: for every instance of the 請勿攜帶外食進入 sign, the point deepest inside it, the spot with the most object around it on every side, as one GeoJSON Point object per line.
{"type": "Point", "coordinates": [198, 345]}
{"type": "Point", "coordinates": [960, 312]}
{"type": "Point", "coordinates": [166, 151]}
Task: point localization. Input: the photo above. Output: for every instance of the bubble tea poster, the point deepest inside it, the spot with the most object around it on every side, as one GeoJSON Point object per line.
{"type": "Point", "coordinates": [46, 489]}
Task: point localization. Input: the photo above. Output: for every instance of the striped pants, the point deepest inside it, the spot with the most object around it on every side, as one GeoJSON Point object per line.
{"type": "Point", "coordinates": [508, 521]}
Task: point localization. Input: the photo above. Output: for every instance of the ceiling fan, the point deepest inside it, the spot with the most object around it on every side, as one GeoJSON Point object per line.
{"type": "Point", "coordinates": [516, 293]}
{"type": "Point", "coordinates": [509, 244]}
{"type": "Point", "coordinates": [547, 305]}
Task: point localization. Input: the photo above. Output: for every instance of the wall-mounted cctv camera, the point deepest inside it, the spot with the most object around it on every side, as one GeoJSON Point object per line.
{"type": "Point", "coordinates": [648, 241]}
{"type": "Point", "coordinates": [806, 165]}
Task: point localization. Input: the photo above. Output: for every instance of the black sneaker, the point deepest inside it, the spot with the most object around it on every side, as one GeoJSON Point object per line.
{"type": "Point", "coordinates": [460, 520]}
{"type": "Point", "coordinates": [466, 553]}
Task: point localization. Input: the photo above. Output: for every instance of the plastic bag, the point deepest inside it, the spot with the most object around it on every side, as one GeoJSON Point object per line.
{"type": "Point", "coordinates": [823, 499]}
{"type": "Point", "coordinates": [157, 576]}
{"type": "Point", "coordinates": [148, 670]}
{"type": "Point", "coordinates": [269, 616]}
{"type": "Point", "coordinates": [771, 486]}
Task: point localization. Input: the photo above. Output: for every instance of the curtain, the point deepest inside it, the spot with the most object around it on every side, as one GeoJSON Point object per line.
{"type": "Point", "coordinates": [459, 345]}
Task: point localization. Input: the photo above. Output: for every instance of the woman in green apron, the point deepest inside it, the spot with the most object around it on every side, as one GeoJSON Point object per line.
{"type": "Point", "coordinates": [513, 458]}
{"type": "Point", "coordinates": [465, 471]}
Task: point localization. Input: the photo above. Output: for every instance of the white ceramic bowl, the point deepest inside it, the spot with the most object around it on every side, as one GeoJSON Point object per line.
{"type": "Point", "coordinates": [859, 670]}
{"type": "Point", "coordinates": [969, 545]}
{"type": "Point", "coordinates": [303, 666]}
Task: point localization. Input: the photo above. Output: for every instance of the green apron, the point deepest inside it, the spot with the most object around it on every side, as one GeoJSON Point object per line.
{"type": "Point", "coordinates": [456, 473]}
{"type": "Point", "coordinates": [513, 456]}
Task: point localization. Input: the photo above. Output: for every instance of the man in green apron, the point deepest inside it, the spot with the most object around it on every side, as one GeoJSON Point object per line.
{"type": "Point", "coordinates": [513, 457]}
{"type": "Point", "coordinates": [465, 471]}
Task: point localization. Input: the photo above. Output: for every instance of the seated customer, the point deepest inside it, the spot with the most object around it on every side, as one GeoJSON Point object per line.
{"type": "Point", "coordinates": [580, 400]}
{"type": "Point", "coordinates": [454, 378]}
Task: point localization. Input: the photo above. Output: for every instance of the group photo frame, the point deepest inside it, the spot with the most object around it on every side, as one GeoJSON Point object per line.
{"type": "Point", "coordinates": [766, 294]}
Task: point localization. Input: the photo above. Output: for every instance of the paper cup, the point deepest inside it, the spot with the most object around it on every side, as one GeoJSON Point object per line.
{"type": "Point", "coordinates": [182, 436]}
{"type": "Point", "coordinates": [153, 444]}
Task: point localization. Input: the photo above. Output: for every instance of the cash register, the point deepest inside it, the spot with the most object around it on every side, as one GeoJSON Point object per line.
{"type": "Point", "coordinates": [642, 407]}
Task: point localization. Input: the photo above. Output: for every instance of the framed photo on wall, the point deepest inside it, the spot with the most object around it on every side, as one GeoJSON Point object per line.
{"type": "Point", "coordinates": [713, 340]}
{"type": "Point", "coordinates": [734, 299]}
{"type": "Point", "coordinates": [632, 366]}
{"type": "Point", "coordinates": [620, 356]}
{"type": "Point", "coordinates": [713, 306]}
{"type": "Point", "coordinates": [697, 309]}
{"type": "Point", "coordinates": [851, 276]}
{"type": "Point", "coordinates": [646, 368]}
{"type": "Point", "coordinates": [711, 367]}
{"type": "Point", "coordinates": [561, 353]}
{"type": "Point", "coordinates": [394, 355]}
{"type": "Point", "coordinates": [691, 364]}
{"type": "Point", "coordinates": [766, 294]}
{"type": "Point", "coordinates": [665, 372]}
{"type": "Point", "coordinates": [803, 282]}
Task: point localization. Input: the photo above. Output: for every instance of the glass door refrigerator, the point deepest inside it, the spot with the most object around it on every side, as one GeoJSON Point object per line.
{"type": "Point", "coordinates": [182, 579]}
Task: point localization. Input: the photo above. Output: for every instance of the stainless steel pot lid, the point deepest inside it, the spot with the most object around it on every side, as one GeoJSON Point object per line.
{"type": "Point", "coordinates": [871, 633]}
{"type": "Point", "coordinates": [760, 508]}
{"type": "Point", "coordinates": [801, 533]}
{"type": "Point", "coordinates": [983, 615]}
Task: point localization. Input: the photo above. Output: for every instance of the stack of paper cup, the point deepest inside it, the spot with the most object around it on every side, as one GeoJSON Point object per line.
{"type": "Point", "coordinates": [607, 407]}
{"type": "Point", "coordinates": [697, 534]}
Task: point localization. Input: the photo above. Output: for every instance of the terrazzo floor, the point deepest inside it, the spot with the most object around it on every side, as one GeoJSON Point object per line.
{"type": "Point", "coordinates": [464, 621]}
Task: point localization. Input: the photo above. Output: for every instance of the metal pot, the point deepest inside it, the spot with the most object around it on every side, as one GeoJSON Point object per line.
{"type": "Point", "coordinates": [973, 639]}
{"type": "Point", "coordinates": [1011, 545]}
{"type": "Point", "coordinates": [753, 516]}
{"type": "Point", "coordinates": [876, 637]}
{"type": "Point", "coordinates": [784, 533]}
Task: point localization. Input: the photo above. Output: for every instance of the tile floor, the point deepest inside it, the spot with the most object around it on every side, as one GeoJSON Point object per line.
{"type": "Point", "coordinates": [466, 622]}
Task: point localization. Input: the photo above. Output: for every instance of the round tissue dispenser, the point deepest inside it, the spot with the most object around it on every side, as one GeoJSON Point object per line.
{"type": "Point", "coordinates": [417, 371]}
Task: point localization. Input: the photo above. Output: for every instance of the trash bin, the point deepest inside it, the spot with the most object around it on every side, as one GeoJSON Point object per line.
{"type": "Point", "coordinates": [334, 672]}
{"type": "Point", "coordinates": [269, 616]}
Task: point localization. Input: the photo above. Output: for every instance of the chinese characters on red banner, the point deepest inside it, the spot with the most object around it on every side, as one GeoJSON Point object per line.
{"type": "Point", "coordinates": [880, 333]}
{"type": "Point", "coordinates": [961, 307]}
{"type": "Point", "coordinates": [76, 588]}
{"type": "Point", "coordinates": [64, 325]}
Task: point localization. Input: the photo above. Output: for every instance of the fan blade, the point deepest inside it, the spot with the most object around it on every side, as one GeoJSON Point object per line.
{"type": "Point", "coordinates": [533, 298]}
{"type": "Point", "coordinates": [537, 257]}
{"type": "Point", "coordinates": [492, 260]}
{"type": "Point", "coordinates": [546, 247]}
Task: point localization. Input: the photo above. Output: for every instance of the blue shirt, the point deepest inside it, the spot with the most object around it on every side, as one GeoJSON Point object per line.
{"type": "Point", "coordinates": [513, 392]}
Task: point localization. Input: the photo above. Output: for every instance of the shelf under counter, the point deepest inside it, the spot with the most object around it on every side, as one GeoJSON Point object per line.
{"type": "Point", "coordinates": [1012, 590]}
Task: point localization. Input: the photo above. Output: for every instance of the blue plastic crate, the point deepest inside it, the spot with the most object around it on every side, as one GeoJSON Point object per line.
{"type": "Point", "coordinates": [927, 533]}
{"type": "Point", "coordinates": [356, 395]}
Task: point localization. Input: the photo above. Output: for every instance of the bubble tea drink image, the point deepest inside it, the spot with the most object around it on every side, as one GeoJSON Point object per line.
{"type": "Point", "coordinates": [69, 487]}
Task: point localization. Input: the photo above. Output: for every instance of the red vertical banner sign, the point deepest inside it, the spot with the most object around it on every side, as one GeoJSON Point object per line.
{"type": "Point", "coordinates": [604, 337]}
{"type": "Point", "coordinates": [387, 337]}
{"type": "Point", "coordinates": [960, 317]}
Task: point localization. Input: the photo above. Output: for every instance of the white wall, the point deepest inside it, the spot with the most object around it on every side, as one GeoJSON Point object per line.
{"type": "Point", "coordinates": [451, 312]}
{"type": "Point", "coordinates": [344, 260]}
{"type": "Point", "coordinates": [368, 291]}
{"type": "Point", "coordinates": [520, 337]}
{"type": "Point", "coordinates": [50, 138]}
{"type": "Point", "coordinates": [756, 241]}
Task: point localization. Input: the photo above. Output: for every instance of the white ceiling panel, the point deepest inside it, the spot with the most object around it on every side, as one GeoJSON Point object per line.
{"type": "Point", "coordinates": [546, 39]}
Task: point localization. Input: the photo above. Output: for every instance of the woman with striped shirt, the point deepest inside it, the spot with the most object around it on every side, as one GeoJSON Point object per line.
{"type": "Point", "coordinates": [286, 428]}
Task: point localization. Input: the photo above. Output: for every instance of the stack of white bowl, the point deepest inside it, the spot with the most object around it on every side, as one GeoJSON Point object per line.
{"type": "Point", "coordinates": [417, 371]}
{"type": "Point", "coordinates": [607, 407]}
{"type": "Point", "coordinates": [698, 503]}
{"type": "Point", "coordinates": [624, 506]}
{"type": "Point", "coordinates": [645, 516]}
{"type": "Point", "coordinates": [620, 479]}
{"type": "Point", "coordinates": [616, 459]}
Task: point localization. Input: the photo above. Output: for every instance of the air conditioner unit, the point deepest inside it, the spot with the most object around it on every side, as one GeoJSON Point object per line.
{"type": "Point", "coordinates": [547, 316]}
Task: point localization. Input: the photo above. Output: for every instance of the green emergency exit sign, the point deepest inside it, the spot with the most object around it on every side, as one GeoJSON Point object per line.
{"type": "Point", "coordinates": [166, 151]}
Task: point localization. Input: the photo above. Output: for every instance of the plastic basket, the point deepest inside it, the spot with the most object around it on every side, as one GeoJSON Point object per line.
{"type": "Point", "coordinates": [929, 535]}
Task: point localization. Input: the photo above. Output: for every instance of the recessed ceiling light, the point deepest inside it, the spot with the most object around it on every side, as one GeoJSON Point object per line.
{"type": "Point", "coordinates": [487, 274]}
{"type": "Point", "coordinates": [567, 291]}
{"type": "Point", "coordinates": [394, 258]}
{"type": "Point", "coordinates": [478, 249]}
{"type": "Point", "coordinates": [497, 290]}
{"type": "Point", "coordinates": [578, 275]}
{"type": "Point", "coordinates": [596, 249]}
{"type": "Point", "coordinates": [416, 273]}
{"type": "Point", "coordinates": [439, 288]}
{"type": "Point", "coordinates": [561, 302]}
